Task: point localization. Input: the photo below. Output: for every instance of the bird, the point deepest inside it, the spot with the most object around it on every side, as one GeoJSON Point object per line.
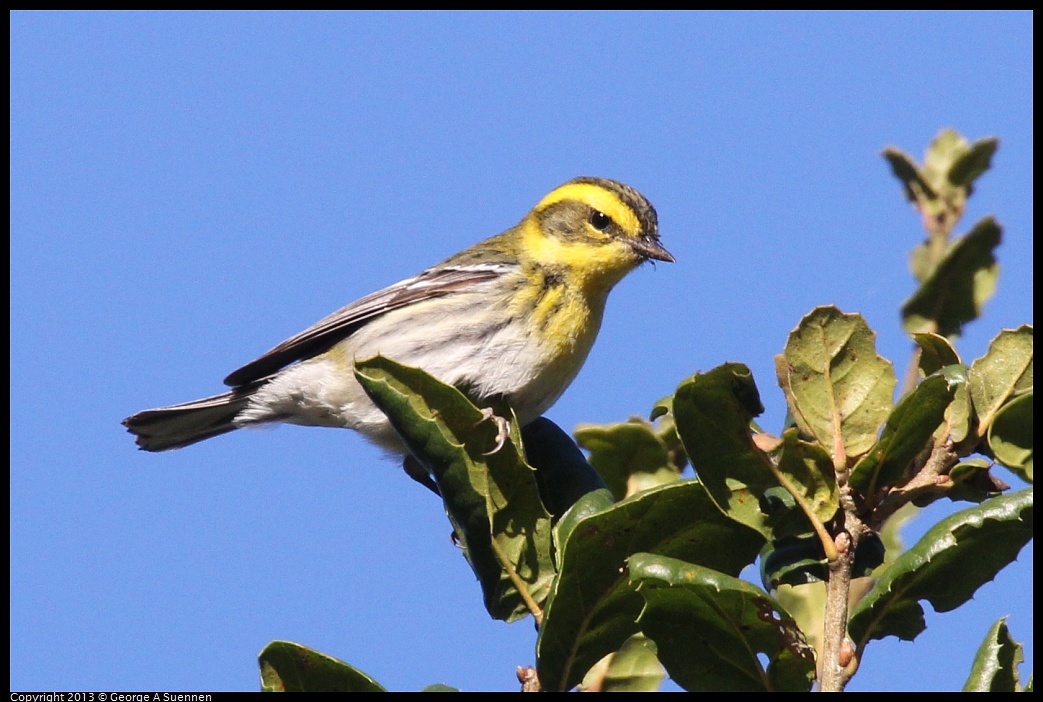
{"type": "Point", "coordinates": [512, 317]}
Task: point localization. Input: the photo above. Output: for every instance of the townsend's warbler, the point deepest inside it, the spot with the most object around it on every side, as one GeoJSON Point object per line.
{"type": "Point", "coordinates": [512, 317]}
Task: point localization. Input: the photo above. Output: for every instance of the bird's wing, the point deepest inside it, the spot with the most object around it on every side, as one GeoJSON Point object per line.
{"type": "Point", "coordinates": [320, 336]}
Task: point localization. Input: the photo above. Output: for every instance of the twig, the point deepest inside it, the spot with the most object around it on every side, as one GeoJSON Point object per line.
{"type": "Point", "coordinates": [838, 664]}
{"type": "Point", "coordinates": [933, 474]}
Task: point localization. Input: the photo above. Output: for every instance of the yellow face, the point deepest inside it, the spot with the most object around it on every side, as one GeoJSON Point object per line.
{"type": "Point", "coordinates": [595, 229]}
{"type": "Point", "coordinates": [598, 197]}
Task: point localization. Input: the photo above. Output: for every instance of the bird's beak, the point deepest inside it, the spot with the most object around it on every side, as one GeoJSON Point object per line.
{"type": "Point", "coordinates": [650, 248]}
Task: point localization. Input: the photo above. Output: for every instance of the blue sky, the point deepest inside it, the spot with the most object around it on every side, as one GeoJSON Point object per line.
{"type": "Point", "coordinates": [187, 190]}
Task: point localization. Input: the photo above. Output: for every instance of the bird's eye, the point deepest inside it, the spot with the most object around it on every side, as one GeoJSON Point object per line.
{"type": "Point", "coordinates": [599, 220]}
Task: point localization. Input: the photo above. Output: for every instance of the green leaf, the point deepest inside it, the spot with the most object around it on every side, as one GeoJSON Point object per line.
{"type": "Point", "coordinates": [995, 667]}
{"type": "Point", "coordinates": [1010, 436]}
{"type": "Point", "coordinates": [1004, 372]}
{"type": "Point", "coordinates": [959, 417]}
{"type": "Point", "coordinates": [947, 148]}
{"type": "Point", "coordinates": [938, 355]}
{"type": "Point", "coordinates": [809, 469]}
{"type": "Point", "coordinates": [634, 668]}
{"type": "Point", "coordinates": [562, 472]}
{"type": "Point", "coordinates": [713, 411]}
{"type": "Point", "coordinates": [710, 629]}
{"type": "Point", "coordinates": [957, 289]}
{"type": "Point", "coordinates": [950, 165]}
{"type": "Point", "coordinates": [592, 610]}
{"type": "Point", "coordinates": [629, 456]}
{"type": "Point", "coordinates": [662, 407]}
{"type": "Point", "coordinates": [940, 188]}
{"type": "Point", "coordinates": [806, 603]}
{"type": "Point", "coordinates": [972, 163]}
{"type": "Point", "coordinates": [907, 432]}
{"type": "Point", "coordinates": [953, 559]}
{"type": "Point", "coordinates": [590, 504]}
{"type": "Point", "coordinates": [971, 481]}
{"type": "Point", "coordinates": [290, 667]}
{"type": "Point", "coordinates": [936, 352]}
{"type": "Point", "coordinates": [792, 560]}
{"type": "Point", "coordinates": [666, 430]}
{"type": "Point", "coordinates": [799, 560]}
{"type": "Point", "coordinates": [440, 687]}
{"type": "Point", "coordinates": [490, 494]}
{"type": "Point", "coordinates": [906, 170]}
{"type": "Point", "coordinates": [837, 387]}
{"type": "Point", "coordinates": [922, 260]}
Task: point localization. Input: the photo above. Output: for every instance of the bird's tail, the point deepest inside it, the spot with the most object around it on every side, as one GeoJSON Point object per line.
{"type": "Point", "coordinates": [172, 427]}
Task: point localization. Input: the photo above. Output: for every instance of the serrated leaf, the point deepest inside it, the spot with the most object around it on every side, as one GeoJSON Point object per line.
{"type": "Point", "coordinates": [953, 559]}
{"type": "Point", "coordinates": [837, 387]}
{"type": "Point", "coordinates": [591, 610]}
{"type": "Point", "coordinates": [629, 456]}
{"type": "Point", "coordinates": [1011, 435]}
{"type": "Point", "coordinates": [713, 411]}
{"type": "Point", "coordinates": [563, 474]}
{"type": "Point", "coordinates": [958, 287]}
{"type": "Point", "coordinates": [290, 667]}
{"type": "Point", "coordinates": [1004, 372]}
{"type": "Point", "coordinates": [995, 667]}
{"type": "Point", "coordinates": [710, 629]}
{"type": "Point", "coordinates": [489, 494]}
{"type": "Point", "coordinates": [909, 427]}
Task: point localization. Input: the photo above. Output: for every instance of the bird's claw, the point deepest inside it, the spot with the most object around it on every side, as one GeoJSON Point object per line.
{"type": "Point", "coordinates": [503, 429]}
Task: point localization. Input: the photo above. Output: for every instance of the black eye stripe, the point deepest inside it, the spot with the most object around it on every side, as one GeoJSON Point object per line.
{"type": "Point", "coordinates": [599, 220]}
